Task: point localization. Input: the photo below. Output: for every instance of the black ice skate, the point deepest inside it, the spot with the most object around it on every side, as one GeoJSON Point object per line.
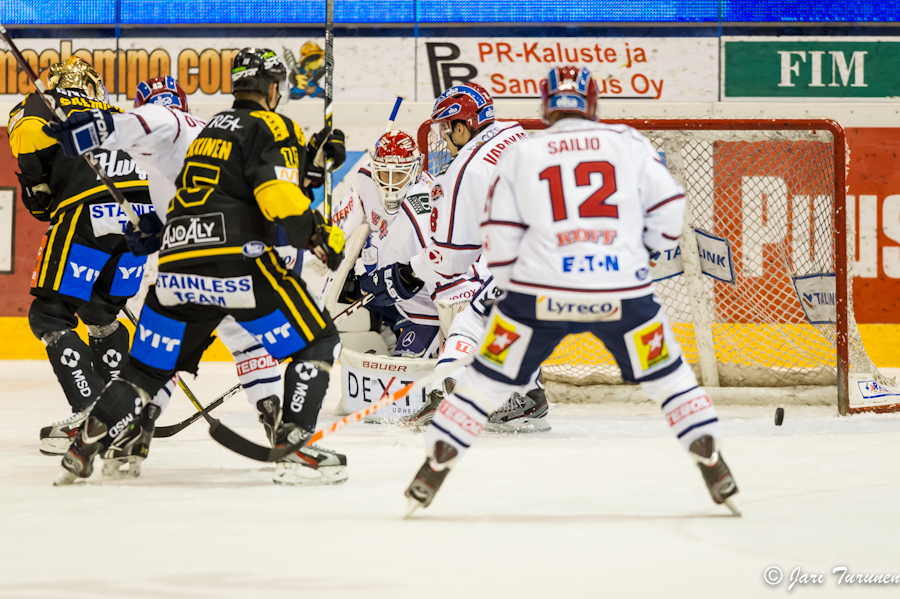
{"type": "Point", "coordinates": [722, 487]}
{"type": "Point", "coordinates": [430, 477]}
{"type": "Point", "coordinates": [124, 456]}
{"type": "Point", "coordinates": [521, 414]}
{"type": "Point", "coordinates": [56, 438]}
{"type": "Point", "coordinates": [79, 459]}
{"type": "Point", "coordinates": [312, 465]}
{"type": "Point", "coordinates": [270, 417]}
{"type": "Point", "coordinates": [425, 415]}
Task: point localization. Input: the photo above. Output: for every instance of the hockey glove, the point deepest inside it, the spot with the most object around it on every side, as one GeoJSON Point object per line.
{"type": "Point", "coordinates": [36, 198]}
{"type": "Point", "coordinates": [82, 131]}
{"type": "Point", "coordinates": [333, 150]}
{"type": "Point", "coordinates": [391, 284]}
{"type": "Point", "coordinates": [148, 239]}
{"type": "Point", "coordinates": [327, 242]}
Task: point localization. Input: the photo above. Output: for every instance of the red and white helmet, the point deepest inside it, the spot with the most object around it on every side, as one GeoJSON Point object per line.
{"type": "Point", "coordinates": [569, 90]}
{"type": "Point", "coordinates": [395, 168]}
{"type": "Point", "coordinates": [467, 102]}
{"type": "Point", "coordinates": [161, 90]}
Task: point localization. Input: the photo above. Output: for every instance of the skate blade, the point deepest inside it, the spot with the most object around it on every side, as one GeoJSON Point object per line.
{"type": "Point", "coordinates": [55, 446]}
{"type": "Point", "coordinates": [64, 478]}
{"type": "Point", "coordinates": [732, 505]}
{"type": "Point", "coordinates": [411, 507]}
{"type": "Point", "coordinates": [129, 467]}
{"type": "Point", "coordinates": [298, 474]}
{"type": "Point", "coordinates": [534, 425]}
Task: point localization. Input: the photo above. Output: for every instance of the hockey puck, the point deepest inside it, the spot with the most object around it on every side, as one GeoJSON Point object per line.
{"type": "Point", "coordinates": [779, 416]}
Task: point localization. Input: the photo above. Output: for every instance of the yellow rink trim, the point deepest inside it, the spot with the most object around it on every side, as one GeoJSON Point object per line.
{"type": "Point", "coordinates": [882, 342]}
{"type": "Point", "coordinates": [17, 342]}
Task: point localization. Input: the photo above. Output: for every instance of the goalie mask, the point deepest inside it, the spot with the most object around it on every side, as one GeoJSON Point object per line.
{"type": "Point", "coordinates": [569, 90]}
{"type": "Point", "coordinates": [75, 73]}
{"type": "Point", "coordinates": [395, 167]}
{"type": "Point", "coordinates": [161, 90]}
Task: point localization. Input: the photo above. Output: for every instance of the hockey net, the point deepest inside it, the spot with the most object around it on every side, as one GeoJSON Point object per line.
{"type": "Point", "coordinates": [774, 190]}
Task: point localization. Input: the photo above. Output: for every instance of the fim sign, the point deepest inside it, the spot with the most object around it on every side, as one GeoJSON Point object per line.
{"type": "Point", "coordinates": [715, 259]}
{"type": "Point", "coordinates": [817, 294]}
{"type": "Point", "coordinates": [367, 378]}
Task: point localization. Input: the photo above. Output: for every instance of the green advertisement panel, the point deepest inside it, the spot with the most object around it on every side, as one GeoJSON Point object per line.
{"type": "Point", "coordinates": [811, 69]}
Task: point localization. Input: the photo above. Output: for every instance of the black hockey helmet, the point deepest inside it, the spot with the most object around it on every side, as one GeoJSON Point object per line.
{"type": "Point", "coordinates": [255, 69]}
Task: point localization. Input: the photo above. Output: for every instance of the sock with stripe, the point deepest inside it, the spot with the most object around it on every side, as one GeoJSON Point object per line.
{"type": "Point", "coordinates": [685, 405]}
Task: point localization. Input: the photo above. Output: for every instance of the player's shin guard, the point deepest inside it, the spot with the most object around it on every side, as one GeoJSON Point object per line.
{"type": "Point", "coordinates": [71, 361]}
{"type": "Point", "coordinates": [109, 348]}
{"type": "Point", "coordinates": [305, 384]}
{"type": "Point", "coordinates": [685, 405]}
{"type": "Point", "coordinates": [258, 373]}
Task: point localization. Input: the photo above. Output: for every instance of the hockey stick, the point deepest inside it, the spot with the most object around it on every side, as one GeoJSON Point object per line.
{"type": "Point", "coordinates": [329, 96]}
{"type": "Point", "coordinates": [162, 432]}
{"type": "Point", "coordinates": [438, 374]}
{"type": "Point", "coordinates": [390, 123]}
{"type": "Point", "coordinates": [116, 193]}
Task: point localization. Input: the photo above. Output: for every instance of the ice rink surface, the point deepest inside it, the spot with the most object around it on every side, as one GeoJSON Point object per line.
{"type": "Point", "coordinates": [607, 504]}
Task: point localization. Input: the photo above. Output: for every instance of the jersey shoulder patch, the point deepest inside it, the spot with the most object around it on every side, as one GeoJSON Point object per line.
{"type": "Point", "coordinates": [420, 203]}
{"type": "Point", "coordinates": [274, 122]}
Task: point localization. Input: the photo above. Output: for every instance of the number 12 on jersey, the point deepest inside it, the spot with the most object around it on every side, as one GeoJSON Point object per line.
{"type": "Point", "coordinates": [595, 205]}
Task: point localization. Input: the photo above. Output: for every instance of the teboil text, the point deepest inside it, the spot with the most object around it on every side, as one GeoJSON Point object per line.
{"type": "Point", "coordinates": [460, 418]}
{"type": "Point", "coordinates": [698, 404]}
{"type": "Point", "coordinates": [253, 364]}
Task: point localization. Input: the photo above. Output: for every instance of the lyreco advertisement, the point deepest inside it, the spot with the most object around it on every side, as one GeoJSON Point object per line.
{"type": "Point", "coordinates": [662, 69]}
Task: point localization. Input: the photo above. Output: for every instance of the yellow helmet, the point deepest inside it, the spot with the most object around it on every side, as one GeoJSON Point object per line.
{"type": "Point", "coordinates": [310, 50]}
{"type": "Point", "coordinates": [75, 73]}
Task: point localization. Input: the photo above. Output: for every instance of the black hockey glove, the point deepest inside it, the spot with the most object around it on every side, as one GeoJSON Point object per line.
{"type": "Point", "coordinates": [334, 150]}
{"type": "Point", "coordinates": [37, 199]}
{"type": "Point", "coordinates": [82, 131]}
{"type": "Point", "coordinates": [327, 241]}
{"type": "Point", "coordinates": [148, 240]}
{"type": "Point", "coordinates": [391, 284]}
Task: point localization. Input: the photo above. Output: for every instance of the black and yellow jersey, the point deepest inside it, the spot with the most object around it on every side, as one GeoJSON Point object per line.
{"type": "Point", "coordinates": [70, 180]}
{"type": "Point", "coordinates": [240, 176]}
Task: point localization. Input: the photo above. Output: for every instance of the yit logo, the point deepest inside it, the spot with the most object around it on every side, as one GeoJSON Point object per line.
{"type": "Point", "coordinates": [70, 357]}
{"type": "Point", "coordinates": [112, 358]}
{"type": "Point", "coordinates": [156, 339]}
{"type": "Point", "coordinates": [284, 331]}
{"type": "Point", "coordinates": [137, 271]}
{"type": "Point", "coordinates": [306, 370]}
{"type": "Point", "coordinates": [90, 275]}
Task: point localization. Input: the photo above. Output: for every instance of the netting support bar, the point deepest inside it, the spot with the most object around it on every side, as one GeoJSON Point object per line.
{"type": "Point", "coordinates": [693, 275]}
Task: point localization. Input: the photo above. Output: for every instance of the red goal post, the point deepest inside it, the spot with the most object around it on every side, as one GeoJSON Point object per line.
{"type": "Point", "coordinates": [754, 338]}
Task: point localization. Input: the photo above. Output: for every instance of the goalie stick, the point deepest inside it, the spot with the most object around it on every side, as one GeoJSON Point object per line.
{"type": "Point", "coordinates": [61, 117]}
